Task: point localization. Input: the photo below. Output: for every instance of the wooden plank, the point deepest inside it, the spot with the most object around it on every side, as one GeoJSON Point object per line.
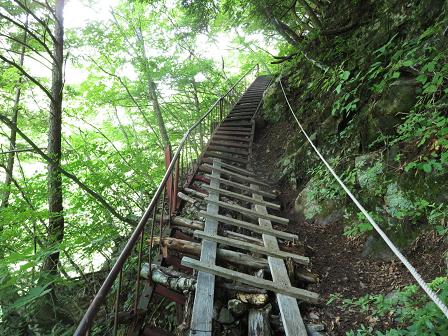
{"type": "Point", "coordinates": [233, 128]}
{"type": "Point", "coordinates": [230, 122]}
{"type": "Point", "coordinates": [251, 247]}
{"type": "Point", "coordinates": [249, 212]}
{"type": "Point", "coordinates": [245, 198]}
{"type": "Point", "coordinates": [229, 143]}
{"type": "Point", "coordinates": [298, 293]}
{"type": "Point", "coordinates": [233, 133]}
{"type": "Point", "coordinates": [236, 118]}
{"type": "Point", "coordinates": [223, 156]}
{"type": "Point", "coordinates": [229, 167]}
{"type": "Point", "coordinates": [289, 309]}
{"type": "Point", "coordinates": [239, 176]}
{"type": "Point", "coordinates": [227, 150]}
{"type": "Point", "coordinates": [242, 186]}
{"type": "Point", "coordinates": [230, 138]}
{"type": "Point", "coordinates": [250, 226]}
{"type": "Point", "coordinates": [202, 313]}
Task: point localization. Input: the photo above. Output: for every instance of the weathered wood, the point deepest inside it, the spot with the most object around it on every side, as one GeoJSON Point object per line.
{"type": "Point", "coordinates": [241, 186]}
{"type": "Point", "coordinates": [289, 309]}
{"type": "Point", "coordinates": [233, 133]}
{"type": "Point", "coordinates": [202, 314]}
{"type": "Point", "coordinates": [171, 279]}
{"type": "Point", "coordinates": [230, 138]}
{"type": "Point", "coordinates": [224, 255]}
{"type": "Point", "coordinates": [237, 176]}
{"type": "Point", "coordinates": [195, 192]}
{"type": "Point", "coordinates": [245, 198]}
{"type": "Point", "coordinates": [258, 321]}
{"type": "Point", "coordinates": [188, 223]}
{"type": "Point", "coordinates": [188, 199]}
{"type": "Point", "coordinates": [227, 157]}
{"type": "Point", "coordinates": [276, 287]}
{"type": "Point", "coordinates": [231, 167]}
{"type": "Point", "coordinates": [242, 237]}
{"type": "Point", "coordinates": [229, 143]}
{"type": "Point", "coordinates": [241, 288]}
{"type": "Point", "coordinates": [250, 226]}
{"type": "Point", "coordinates": [249, 212]}
{"type": "Point", "coordinates": [227, 150]}
{"type": "Point", "coordinates": [251, 247]}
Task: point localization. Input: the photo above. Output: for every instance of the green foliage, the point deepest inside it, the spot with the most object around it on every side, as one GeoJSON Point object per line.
{"type": "Point", "coordinates": [409, 307]}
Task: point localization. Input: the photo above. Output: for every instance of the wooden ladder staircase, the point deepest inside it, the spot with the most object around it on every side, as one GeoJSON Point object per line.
{"type": "Point", "coordinates": [238, 229]}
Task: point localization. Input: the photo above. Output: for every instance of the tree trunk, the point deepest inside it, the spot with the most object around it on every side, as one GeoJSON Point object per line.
{"type": "Point", "coordinates": [55, 207]}
{"type": "Point", "coordinates": [13, 134]}
{"type": "Point", "coordinates": [152, 90]}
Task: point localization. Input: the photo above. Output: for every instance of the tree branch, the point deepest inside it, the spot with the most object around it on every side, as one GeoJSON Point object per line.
{"type": "Point", "coordinates": [27, 75]}
{"type": "Point", "coordinates": [72, 177]}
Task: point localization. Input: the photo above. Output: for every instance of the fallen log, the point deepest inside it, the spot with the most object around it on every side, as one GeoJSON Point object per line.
{"type": "Point", "coordinates": [168, 278]}
{"type": "Point", "coordinates": [259, 324]}
{"type": "Point", "coordinates": [232, 257]}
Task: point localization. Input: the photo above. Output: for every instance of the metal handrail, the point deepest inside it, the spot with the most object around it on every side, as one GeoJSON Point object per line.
{"type": "Point", "coordinates": [87, 320]}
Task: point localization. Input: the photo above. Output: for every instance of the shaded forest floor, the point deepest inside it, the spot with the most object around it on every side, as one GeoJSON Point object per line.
{"type": "Point", "coordinates": [338, 259]}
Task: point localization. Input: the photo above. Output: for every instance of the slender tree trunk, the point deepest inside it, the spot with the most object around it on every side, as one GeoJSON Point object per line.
{"type": "Point", "coordinates": [13, 134]}
{"type": "Point", "coordinates": [55, 207]}
{"type": "Point", "coordinates": [152, 90]}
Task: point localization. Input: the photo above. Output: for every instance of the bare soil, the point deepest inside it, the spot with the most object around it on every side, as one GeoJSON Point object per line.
{"type": "Point", "coordinates": [337, 259]}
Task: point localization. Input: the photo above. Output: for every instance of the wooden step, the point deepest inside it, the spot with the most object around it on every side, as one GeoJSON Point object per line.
{"type": "Point", "coordinates": [235, 133]}
{"type": "Point", "coordinates": [231, 167]}
{"type": "Point", "coordinates": [237, 176]}
{"type": "Point", "coordinates": [297, 293]}
{"type": "Point", "coordinates": [237, 118]}
{"type": "Point", "coordinates": [242, 186]}
{"type": "Point", "coordinates": [289, 309]}
{"type": "Point", "coordinates": [224, 156]}
{"type": "Point", "coordinates": [246, 225]}
{"type": "Point", "coordinates": [248, 212]}
{"type": "Point", "coordinates": [251, 247]}
{"type": "Point", "coordinates": [246, 198]}
{"type": "Point", "coordinates": [229, 143]}
{"type": "Point", "coordinates": [229, 122]}
{"type": "Point", "coordinates": [227, 150]}
{"type": "Point", "coordinates": [230, 138]}
{"type": "Point", "coordinates": [248, 130]}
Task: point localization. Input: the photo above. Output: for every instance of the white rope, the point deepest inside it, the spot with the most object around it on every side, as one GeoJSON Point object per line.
{"type": "Point", "coordinates": [394, 249]}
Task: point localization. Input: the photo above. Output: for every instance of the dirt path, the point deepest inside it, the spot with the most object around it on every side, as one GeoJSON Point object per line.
{"type": "Point", "coordinates": [337, 259]}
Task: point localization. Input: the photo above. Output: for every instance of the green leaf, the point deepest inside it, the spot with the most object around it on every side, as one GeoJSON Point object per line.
{"type": "Point", "coordinates": [427, 168]}
{"type": "Point", "coordinates": [396, 74]}
{"type": "Point", "coordinates": [345, 75]}
{"type": "Point", "coordinates": [422, 78]}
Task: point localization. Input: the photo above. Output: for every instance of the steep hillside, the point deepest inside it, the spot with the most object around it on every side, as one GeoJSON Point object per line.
{"type": "Point", "coordinates": [374, 99]}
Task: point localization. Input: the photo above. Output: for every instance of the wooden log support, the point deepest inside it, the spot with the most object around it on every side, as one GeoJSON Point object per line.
{"type": "Point", "coordinates": [250, 226]}
{"type": "Point", "coordinates": [195, 193]}
{"type": "Point", "coordinates": [251, 247]}
{"type": "Point", "coordinates": [223, 255]}
{"type": "Point", "coordinates": [258, 321]}
{"type": "Point", "coordinates": [276, 287]}
{"type": "Point", "coordinates": [249, 212]}
{"type": "Point", "coordinates": [289, 309]}
{"type": "Point", "coordinates": [171, 279]}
